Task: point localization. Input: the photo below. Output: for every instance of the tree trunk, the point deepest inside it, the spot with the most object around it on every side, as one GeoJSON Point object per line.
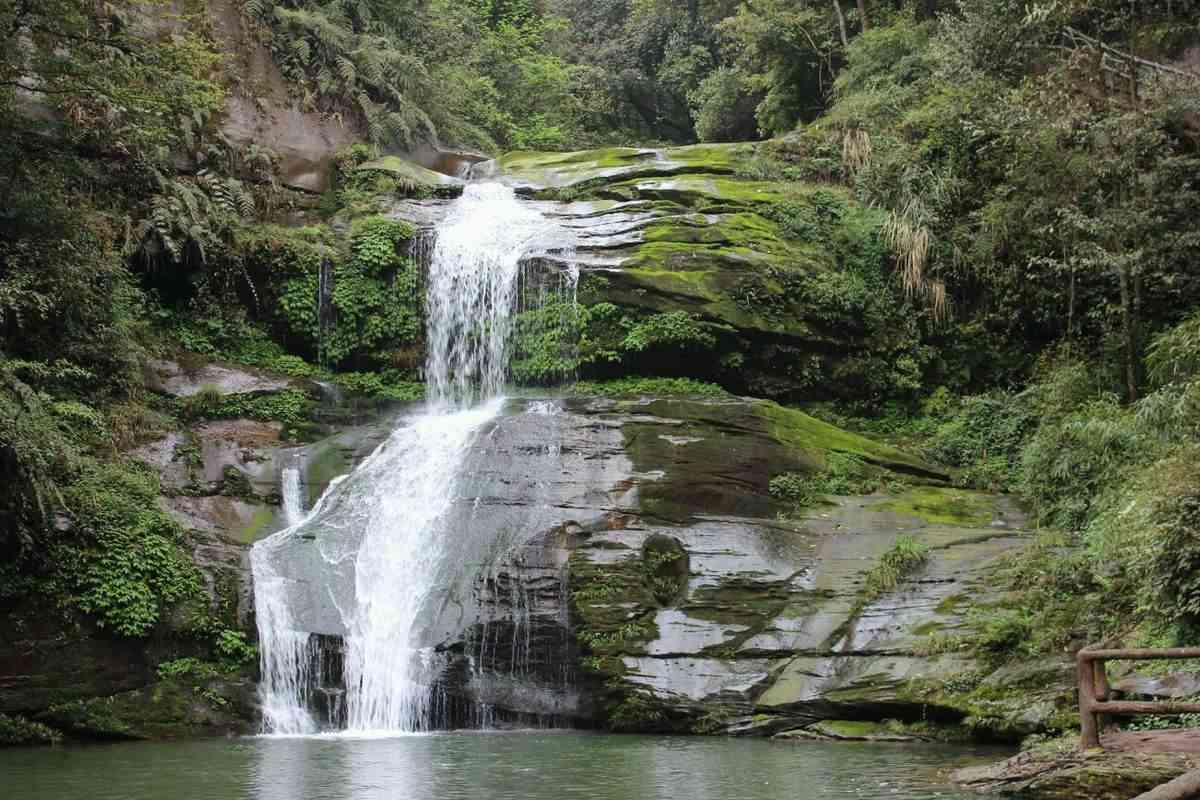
{"type": "Point", "coordinates": [837, 10]}
{"type": "Point", "coordinates": [1071, 309]}
{"type": "Point", "coordinates": [1128, 328]}
{"type": "Point", "coordinates": [862, 15]}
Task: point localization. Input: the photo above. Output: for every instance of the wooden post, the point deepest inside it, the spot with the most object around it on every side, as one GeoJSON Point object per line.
{"type": "Point", "coordinates": [1100, 687]}
{"type": "Point", "coordinates": [1089, 731]}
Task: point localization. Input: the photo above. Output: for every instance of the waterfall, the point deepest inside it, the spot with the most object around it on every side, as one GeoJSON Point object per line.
{"type": "Point", "coordinates": [381, 532]}
{"type": "Point", "coordinates": [472, 289]}
{"type": "Point", "coordinates": [291, 498]}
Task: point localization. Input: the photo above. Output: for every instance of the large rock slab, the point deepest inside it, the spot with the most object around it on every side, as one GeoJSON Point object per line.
{"type": "Point", "coordinates": [1060, 771]}
{"type": "Point", "coordinates": [623, 562]}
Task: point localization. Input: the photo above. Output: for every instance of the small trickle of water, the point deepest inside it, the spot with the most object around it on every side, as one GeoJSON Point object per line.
{"type": "Point", "coordinates": [290, 492]}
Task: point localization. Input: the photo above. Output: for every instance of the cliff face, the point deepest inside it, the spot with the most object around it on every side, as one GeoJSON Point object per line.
{"type": "Point", "coordinates": [260, 109]}
{"type": "Point", "coordinates": [667, 590]}
{"type": "Point", "coordinates": [630, 569]}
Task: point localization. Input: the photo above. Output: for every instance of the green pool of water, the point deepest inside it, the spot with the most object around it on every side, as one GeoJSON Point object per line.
{"type": "Point", "coordinates": [485, 766]}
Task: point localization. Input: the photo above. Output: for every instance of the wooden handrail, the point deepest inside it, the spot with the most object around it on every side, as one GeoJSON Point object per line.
{"type": "Point", "coordinates": [1093, 688]}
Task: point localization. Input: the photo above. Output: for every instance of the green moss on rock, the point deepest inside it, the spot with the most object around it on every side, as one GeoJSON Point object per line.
{"type": "Point", "coordinates": [942, 506]}
{"type": "Point", "coordinates": [799, 430]}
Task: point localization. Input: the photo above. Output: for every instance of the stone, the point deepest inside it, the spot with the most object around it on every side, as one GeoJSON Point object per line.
{"type": "Point", "coordinates": [646, 538]}
{"type": "Point", "coordinates": [1059, 771]}
{"type": "Point", "coordinates": [169, 377]}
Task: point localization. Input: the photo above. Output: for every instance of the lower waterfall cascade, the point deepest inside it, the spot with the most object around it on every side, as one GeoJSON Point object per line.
{"type": "Point", "coordinates": [378, 556]}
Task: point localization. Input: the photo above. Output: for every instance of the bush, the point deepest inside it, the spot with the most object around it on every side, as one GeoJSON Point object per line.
{"type": "Point", "coordinates": [649, 387]}
{"type": "Point", "coordinates": [1071, 459]}
{"type": "Point", "coordinates": [721, 107]}
{"type": "Point", "coordinates": [20, 731]}
{"type": "Point", "coordinates": [127, 564]}
{"type": "Point", "coordinates": [984, 435]}
{"type": "Point", "coordinates": [903, 558]}
{"type": "Point", "coordinates": [844, 474]}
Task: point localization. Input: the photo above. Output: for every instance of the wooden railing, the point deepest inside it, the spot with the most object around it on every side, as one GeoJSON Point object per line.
{"type": "Point", "coordinates": [1094, 691]}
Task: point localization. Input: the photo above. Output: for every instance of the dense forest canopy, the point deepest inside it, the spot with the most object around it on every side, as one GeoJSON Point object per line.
{"type": "Point", "coordinates": [1031, 170]}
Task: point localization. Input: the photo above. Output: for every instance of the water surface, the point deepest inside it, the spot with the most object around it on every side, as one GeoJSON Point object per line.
{"type": "Point", "coordinates": [486, 766]}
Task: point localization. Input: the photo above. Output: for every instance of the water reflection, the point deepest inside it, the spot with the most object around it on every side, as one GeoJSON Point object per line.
{"type": "Point", "coordinates": [498, 766]}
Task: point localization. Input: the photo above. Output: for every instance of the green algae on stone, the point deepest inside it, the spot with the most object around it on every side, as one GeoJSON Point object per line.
{"type": "Point", "coordinates": [942, 506]}
{"type": "Point", "coordinates": [259, 523]}
{"type": "Point", "coordinates": [172, 708]}
{"type": "Point", "coordinates": [799, 430]}
{"type": "Point", "coordinates": [407, 171]}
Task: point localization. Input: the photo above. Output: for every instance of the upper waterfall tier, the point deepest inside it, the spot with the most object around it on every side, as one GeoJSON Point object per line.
{"type": "Point", "coordinates": [472, 289]}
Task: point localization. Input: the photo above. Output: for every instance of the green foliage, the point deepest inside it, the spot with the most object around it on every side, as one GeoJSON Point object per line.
{"type": "Point", "coordinates": [1174, 356]}
{"type": "Point", "coordinates": [648, 387]}
{"type": "Point", "coordinates": [16, 731]}
{"type": "Point", "coordinates": [381, 386]}
{"type": "Point", "coordinates": [189, 666]}
{"type": "Point", "coordinates": [1069, 460]}
{"type": "Point", "coordinates": [560, 338]}
{"type": "Point", "coordinates": [233, 647]}
{"type": "Point", "coordinates": [844, 474]}
{"type": "Point", "coordinates": [664, 569]}
{"type": "Point", "coordinates": [984, 436]}
{"type": "Point", "coordinates": [720, 106]}
{"type": "Point", "coordinates": [672, 329]}
{"type": "Point", "coordinates": [636, 711]}
{"type": "Point", "coordinates": [904, 557]}
{"type": "Point", "coordinates": [291, 407]}
{"type": "Point", "coordinates": [374, 299]}
{"type": "Point", "coordinates": [128, 563]}
{"type": "Point", "coordinates": [548, 341]}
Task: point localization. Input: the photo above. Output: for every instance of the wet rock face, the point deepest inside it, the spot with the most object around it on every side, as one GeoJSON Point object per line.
{"type": "Point", "coordinates": [697, 607]}
{"type": "Point", "coordinates": [624, 564]}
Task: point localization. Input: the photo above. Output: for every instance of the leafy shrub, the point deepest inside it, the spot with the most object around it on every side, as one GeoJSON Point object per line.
{"type": "Point", "coordinates": [20, 731]}
{"type": "Point", "coordinates": [291, 406]}
{"type": "Point", "coordinates": [844, 474]}
{"type": "Point", "coordinates": [233, 647]}
{"type": "Point", "coordinates": [128, 563]}
{"type": "Point", "coordinates": [548, 341]}
{"type": "Point", "coordinates": [649, 387]}
{"type": "Point", "coordinates": [720, 106]}
{"type": "Point", "coordinates": [983, 435]}
{"type": "Point", "coordinates": [903, 558]}
{"type": "Point", "coordinates": [380, 386]}
{"type": "Point", "coordinates": [374, 302]}
{"type": "Point", "coordinates": [1071, 459]}
{"type": "Point", "coordinates": [674, 328]}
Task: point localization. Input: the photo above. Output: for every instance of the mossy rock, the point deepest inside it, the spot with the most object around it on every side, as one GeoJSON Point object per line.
{"type": "Point", "coordinates": [943, 506]}
{"type": "Point", "coordinates": [173, 708]}
{"type": "Point", "coordinates": [802, 431]}
{"type": "Point", "coordinates": [412, 174]}
{"type": "Point", "coordinates": [1060, 771]}
{"type": "Point", "coordinates": [548, 172]}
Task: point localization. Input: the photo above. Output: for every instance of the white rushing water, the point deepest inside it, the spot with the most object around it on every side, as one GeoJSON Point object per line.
{"type": "Point", "coordinates": [291, 499]}
{"type": "Point", "coordinates": [382, 528]}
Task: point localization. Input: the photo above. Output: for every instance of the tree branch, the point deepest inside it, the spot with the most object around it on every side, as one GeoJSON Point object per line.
{"type": "Point", "coordinates": [75, 37]}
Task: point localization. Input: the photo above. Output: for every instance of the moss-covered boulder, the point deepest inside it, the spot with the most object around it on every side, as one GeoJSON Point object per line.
{"type": "Point", "coordinates": [791, 280]}
{"type": "Point", "coordinates": [1059, 770]}
{"type": "Point", "coordinates": [411, 177]}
